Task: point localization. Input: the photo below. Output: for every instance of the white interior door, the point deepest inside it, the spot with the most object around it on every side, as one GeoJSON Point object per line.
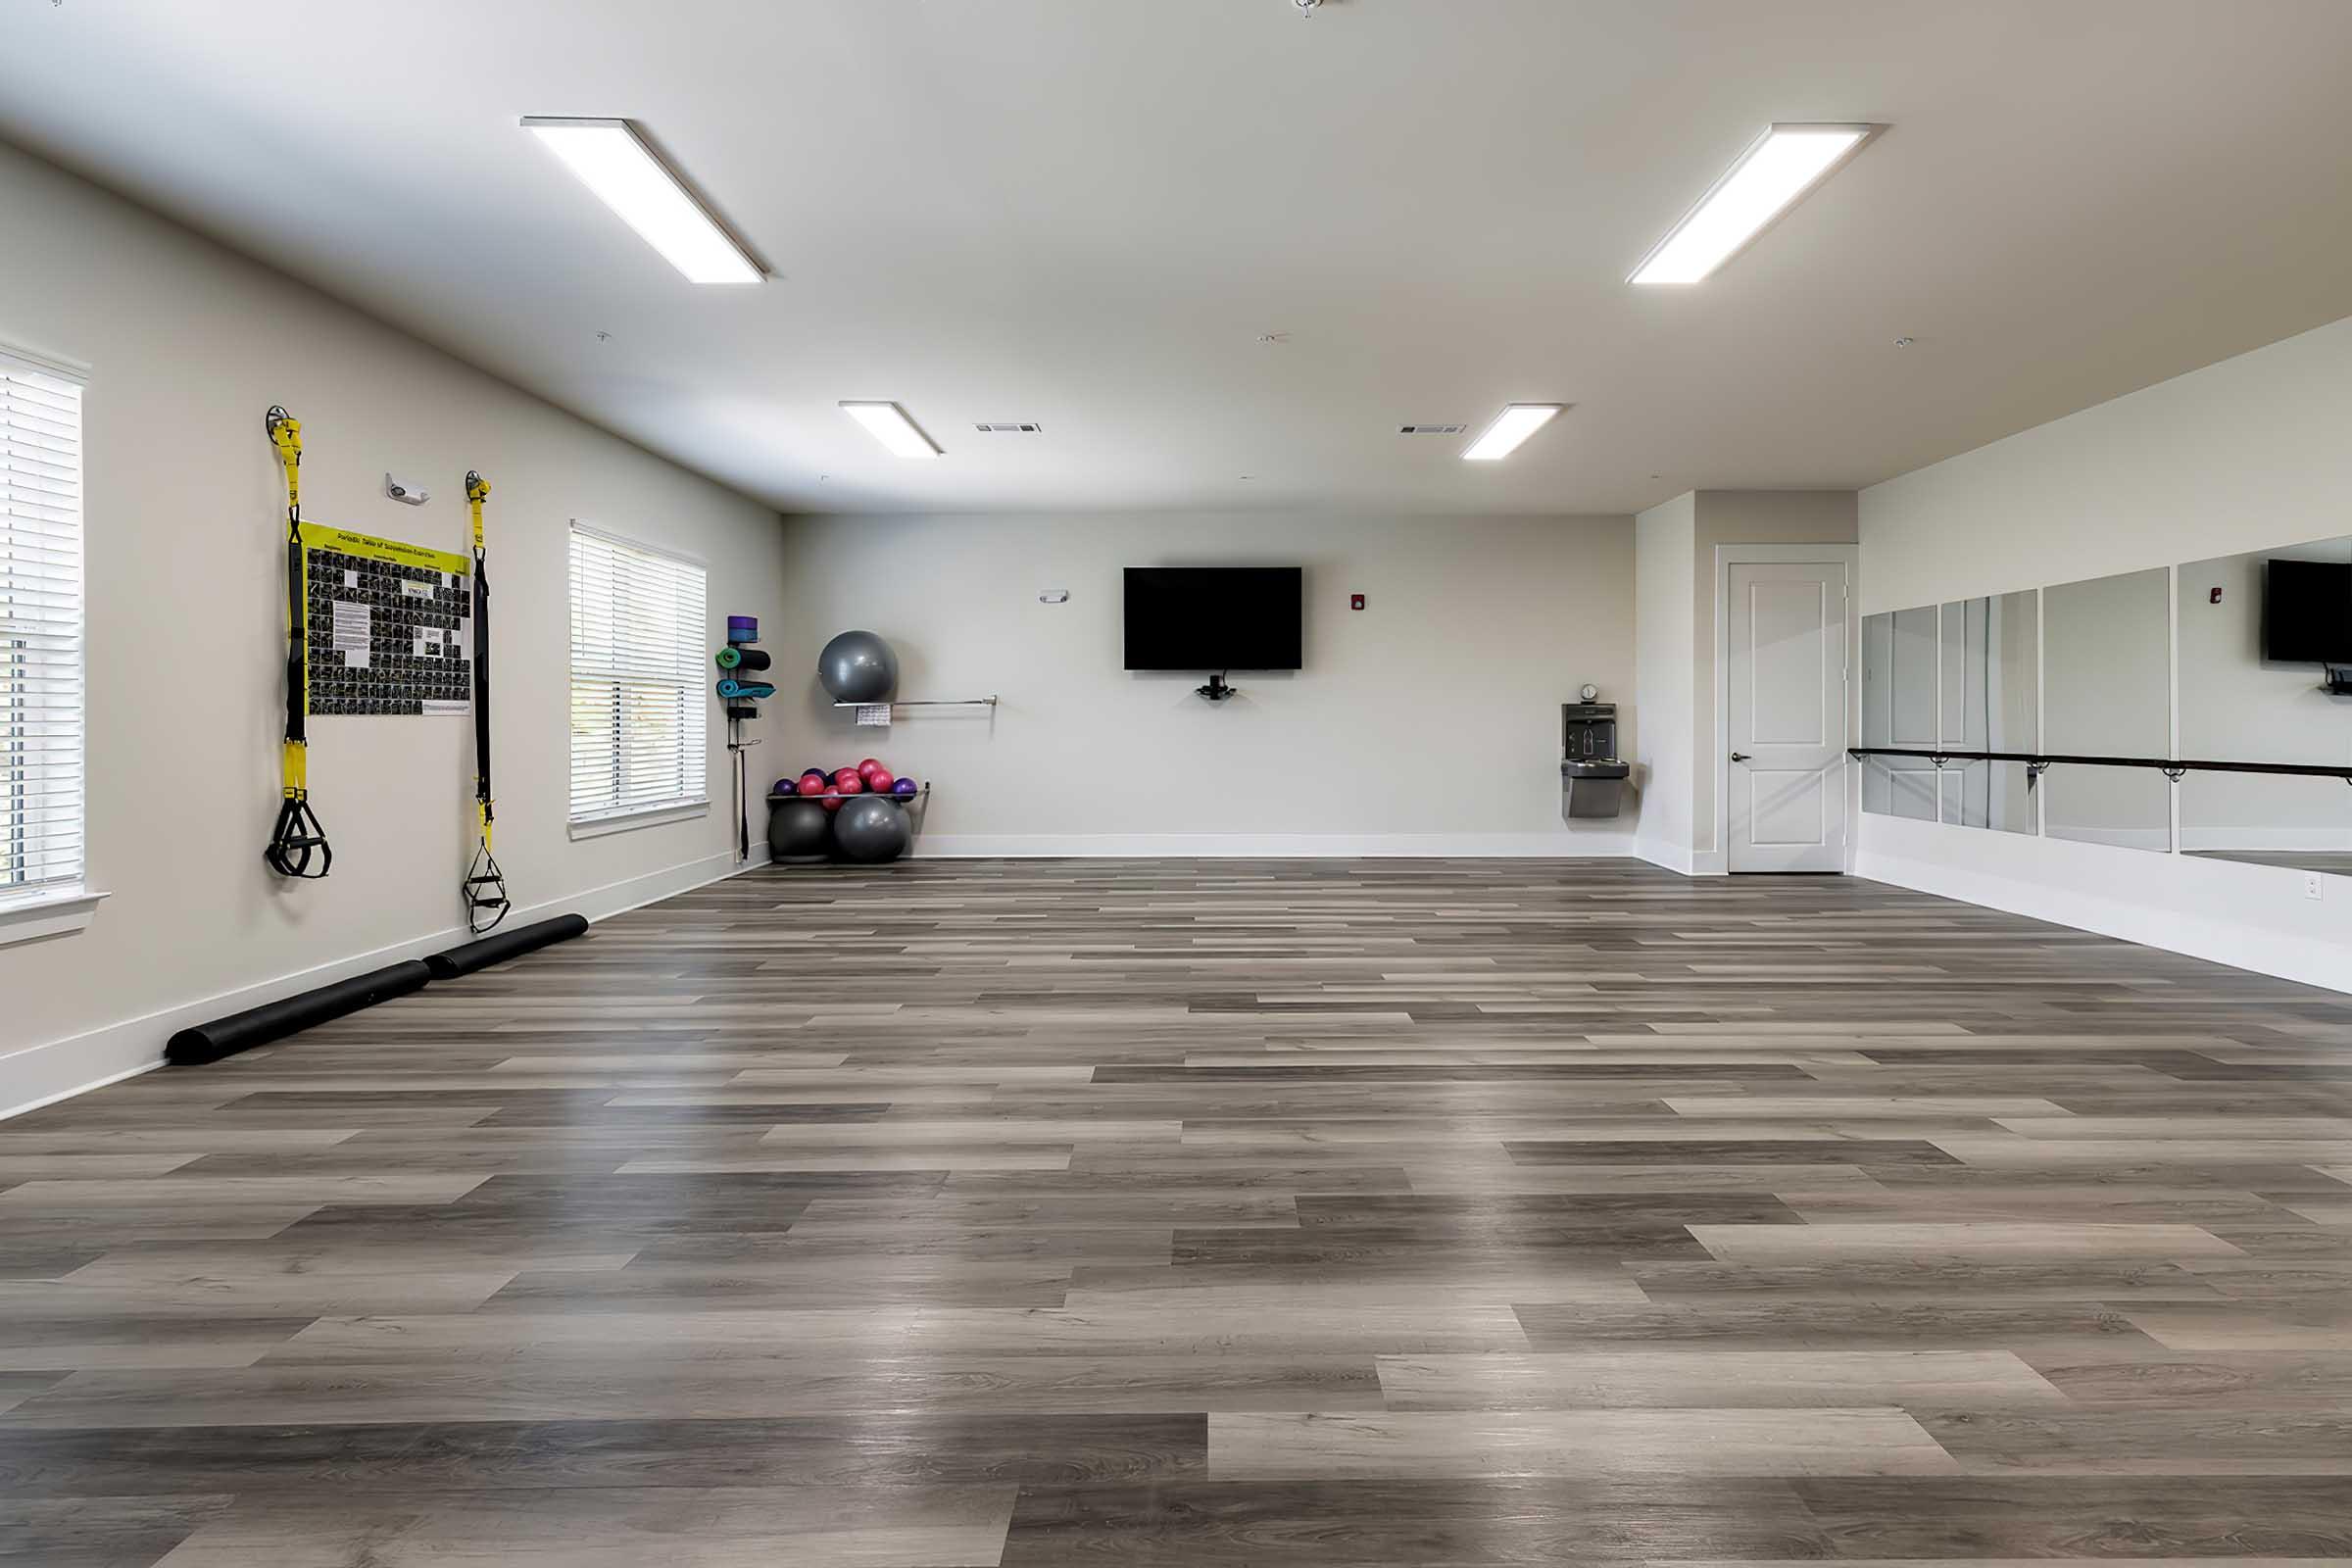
{"type": "Point", "coordinates": [1784, 781]}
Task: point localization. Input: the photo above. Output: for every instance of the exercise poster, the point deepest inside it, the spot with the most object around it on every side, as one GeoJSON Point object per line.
{"type": "Point", "coordinates": [390, 625]}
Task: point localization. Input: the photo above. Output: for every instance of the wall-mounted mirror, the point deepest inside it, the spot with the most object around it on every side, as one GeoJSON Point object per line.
{"type": "Point", "coordinates": [2107, 691]}
{"type": "Point", "coordinates": [1989, 699]}
{"type": "Point", "coordinates": [1898, 709]}
{"type": "Point", "coordinates": [2257, 633]}
{"type": "Point", "coordinates": [1964, 677]}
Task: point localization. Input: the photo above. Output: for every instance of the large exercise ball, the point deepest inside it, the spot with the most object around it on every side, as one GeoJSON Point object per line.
{"type": "Point", "coordinates": [798, 830]}
{"type": "Point", "coordinates": [871, 828]}
{"type": "Point", "coordinates": [859, 667]}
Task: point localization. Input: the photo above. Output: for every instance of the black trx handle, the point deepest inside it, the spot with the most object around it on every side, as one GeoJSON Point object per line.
{"type": "Point", "coordinates": [485, 886]}
{"type": "Point", "coordinates": [298, 832]}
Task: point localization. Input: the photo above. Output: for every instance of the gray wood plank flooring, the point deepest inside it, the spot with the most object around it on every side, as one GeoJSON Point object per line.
{"type": "Point", "coordinates": [1096, 1212]}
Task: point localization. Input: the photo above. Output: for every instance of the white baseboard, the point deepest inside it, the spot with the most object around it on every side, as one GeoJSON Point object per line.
{"type": "Point", "coordinates": [2269, 840]}
{"type": "Point", "coordinates": [2157, 839]}
{"type": "Point", "coordinates": [1710, 862]}
{"type": "Point", "coordinates": [59, 1069]}
{"type": "Point", "coordinates": [1272, 846]}
{"type": "Point", "coordinates": [2253, 918]}
{"type": "Point", "coordinates": [1674, 858]}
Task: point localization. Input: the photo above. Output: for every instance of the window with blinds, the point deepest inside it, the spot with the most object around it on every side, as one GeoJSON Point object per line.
{"type": "Point", "coordinates": [40, 630]}
{"type": "Point", "coordinates": [639, 710]}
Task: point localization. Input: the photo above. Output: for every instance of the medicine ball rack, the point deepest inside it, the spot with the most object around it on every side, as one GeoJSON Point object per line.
{"type": "Point", "coordinates": [921, 794]}
{"type": "Point", "coordinates": [913, 805]}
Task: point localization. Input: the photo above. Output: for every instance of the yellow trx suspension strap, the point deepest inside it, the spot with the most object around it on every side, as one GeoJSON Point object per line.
{"type": "Point", "coordinates": [485, 886]}
{"type": "Point", "coordinates": [298, 831]}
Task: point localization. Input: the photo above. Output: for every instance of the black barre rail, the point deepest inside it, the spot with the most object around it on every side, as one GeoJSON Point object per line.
{"type": "Point", "coordinates": [2170, 766]}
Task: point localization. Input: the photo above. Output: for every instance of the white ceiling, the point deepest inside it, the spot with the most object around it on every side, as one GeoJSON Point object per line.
{"type": "Point", "coordinates": [1084, 211]}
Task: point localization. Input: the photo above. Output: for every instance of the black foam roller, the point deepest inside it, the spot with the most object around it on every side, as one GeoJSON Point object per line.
{"type": "Point", "coordinates": [274, 1020]}
{"type": "Point", "coordinates": [752, 658]}
{"type": "Point", "coordinates": [504, 945]}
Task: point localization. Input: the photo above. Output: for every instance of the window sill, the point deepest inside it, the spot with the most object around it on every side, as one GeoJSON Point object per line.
{"type": "Point", "coordinates": [54, 913]}
{"type": "Point", "coordinates": [658, 816]}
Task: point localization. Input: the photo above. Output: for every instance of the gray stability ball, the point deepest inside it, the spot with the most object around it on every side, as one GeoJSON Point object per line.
{"type": "Point", "coordinates": [859, 667]}
{"type": "Point", "coordinates": [798, 830]}
{"type": "Point", "coordinates": [871, 828]}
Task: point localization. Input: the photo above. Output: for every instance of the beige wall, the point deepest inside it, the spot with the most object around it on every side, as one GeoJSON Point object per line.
{"type": "Point", "coordinates": [1665, 615]}
{"type": "Point", "coordinates": [1427, 723]}
{"type": "Point", "coordinates": [187, 345]}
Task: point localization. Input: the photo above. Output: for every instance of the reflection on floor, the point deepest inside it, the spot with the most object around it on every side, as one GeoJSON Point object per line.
{"type": "Point", "coordinates": [1337, 1212]}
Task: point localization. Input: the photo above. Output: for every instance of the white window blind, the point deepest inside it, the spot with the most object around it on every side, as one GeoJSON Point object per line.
{"type": "Point", "coordinates": [40, 630]}
{"type": "Point", "coordinates": [639, 713]}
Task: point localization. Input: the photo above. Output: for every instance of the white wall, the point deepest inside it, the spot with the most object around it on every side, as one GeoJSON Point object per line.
{"type": "Point", "coordinates": [1427, 723]}
{"type": "Point", "coordinates": [1664, 618]}
{"type": "Point", "coordinates": [187, 345]}
{"type": "Point", "coordinates": [1676, 587]}
{"type": "Point", "coordinates": [1729, 517]}
{"type": "Point", "coordinates": [2245, 454]}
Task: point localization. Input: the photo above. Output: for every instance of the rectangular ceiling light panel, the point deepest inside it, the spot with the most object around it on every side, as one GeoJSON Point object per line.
{"type": "Point", "coordinates": [613, 161]}
{"type": "Point", "coordinates": [888, 423]}
{"type": "Point", "coordinates": [1778, 168]}
{"type": "Point", "coordinates": [1511, 426]}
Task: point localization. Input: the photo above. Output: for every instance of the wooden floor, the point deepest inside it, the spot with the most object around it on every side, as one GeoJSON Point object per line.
{"type": "Point", "coordinates": [1329, 1213]}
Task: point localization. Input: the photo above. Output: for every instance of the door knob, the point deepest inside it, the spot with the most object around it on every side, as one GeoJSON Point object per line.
{"type": "Point", "coordinates": [1738, 757]}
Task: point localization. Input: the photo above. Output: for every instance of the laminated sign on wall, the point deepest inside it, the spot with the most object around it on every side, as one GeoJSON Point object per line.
{"type": "Point", "coordinates": [391, 627]}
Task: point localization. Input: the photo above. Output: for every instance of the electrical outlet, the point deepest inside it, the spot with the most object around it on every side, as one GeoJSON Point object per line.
{"type": "Point", "coordinates": [2313, 887]}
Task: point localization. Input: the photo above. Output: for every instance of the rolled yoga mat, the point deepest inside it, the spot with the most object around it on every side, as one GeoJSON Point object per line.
{"type": "Point", "coordinates": [274, 1020]}
{"type": "Point", "coordinates": [505, 945]}
{"type": "Point", "coordinates": [733, 658]}
{"type": "Point", "coordinates": [745, 688]}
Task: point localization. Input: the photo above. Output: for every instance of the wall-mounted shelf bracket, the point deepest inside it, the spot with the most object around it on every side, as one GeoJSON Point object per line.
{"type": "Point", "coordinates": [879, 714]}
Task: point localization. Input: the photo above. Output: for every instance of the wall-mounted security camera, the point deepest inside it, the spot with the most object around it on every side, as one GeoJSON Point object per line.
{"type": "Point", "coordinates": [407, 494]}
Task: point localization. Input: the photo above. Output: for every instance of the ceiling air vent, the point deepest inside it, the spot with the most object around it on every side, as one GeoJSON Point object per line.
{"type": "Point", "coordinates": [1010, 427]}
{"type": "Point", "coordinates": [1431, 429]}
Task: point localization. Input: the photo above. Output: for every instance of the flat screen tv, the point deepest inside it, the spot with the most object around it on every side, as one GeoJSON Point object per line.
{"type": "Point", "coordinates": [2307, 613]}
{"type": "Point", "coordinates": [1214, 618]}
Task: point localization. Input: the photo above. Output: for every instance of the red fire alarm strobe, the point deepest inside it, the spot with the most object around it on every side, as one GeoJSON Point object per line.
{"type": "Point", "coordinates": [1355, 600]}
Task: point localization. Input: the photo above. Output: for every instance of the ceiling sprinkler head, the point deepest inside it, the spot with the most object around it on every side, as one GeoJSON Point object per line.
{"type": "Point", "coordinates": [1306, 7]}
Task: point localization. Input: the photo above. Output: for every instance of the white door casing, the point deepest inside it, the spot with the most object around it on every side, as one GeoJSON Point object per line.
{"type": "Point", "coordinates": [1786, 715]}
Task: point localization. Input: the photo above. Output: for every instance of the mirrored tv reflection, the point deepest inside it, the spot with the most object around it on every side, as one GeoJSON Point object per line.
{"type": "Point", "coordinates": [2258, 632]}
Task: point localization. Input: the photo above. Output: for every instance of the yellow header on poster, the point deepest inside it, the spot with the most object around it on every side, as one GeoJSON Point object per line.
{"type": "Point", "coordinates": [319, 536]}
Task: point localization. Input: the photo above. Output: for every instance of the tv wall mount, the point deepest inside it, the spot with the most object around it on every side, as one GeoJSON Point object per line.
{"type": "Point", "coordinates": [1216, 691]}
